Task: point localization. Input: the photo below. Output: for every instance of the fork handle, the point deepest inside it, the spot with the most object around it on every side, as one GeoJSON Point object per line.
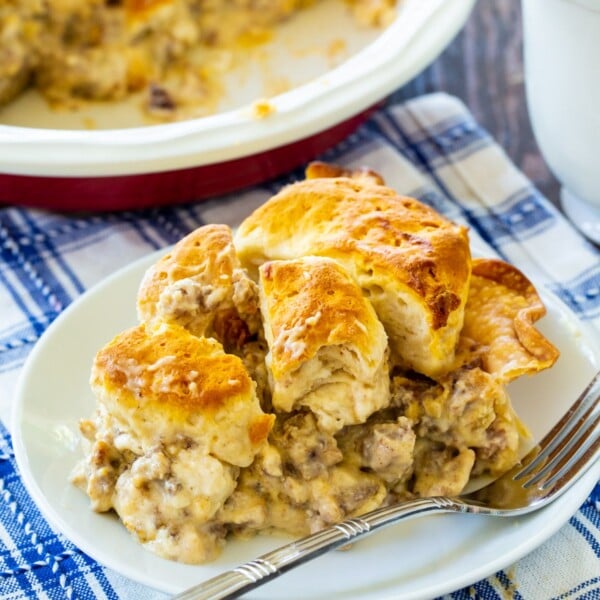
{"type": "Point", "coordinates": [234, 583]}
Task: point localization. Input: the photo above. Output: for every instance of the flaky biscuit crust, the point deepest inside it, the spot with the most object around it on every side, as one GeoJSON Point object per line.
{"type": "Point", "coordinates": [164, 382]}
{"type": "Point", "coordinates": [316, 298]}
{"type": "Point", "coordinates": [386, 241]}
{"type": "Point", "coordinates": [201, 286]}
{"type": "Point", "coordinates": [369, 223]}
{"type": "Point", "coordinates": [206, 252]}
{"type": "Point", "coordinates": [501, 310]}
{"type": "Point", "coordinates": [159, 367]}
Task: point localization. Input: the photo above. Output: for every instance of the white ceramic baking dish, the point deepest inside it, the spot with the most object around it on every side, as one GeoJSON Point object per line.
{"type": "Point", "coordinates": [105, 156]}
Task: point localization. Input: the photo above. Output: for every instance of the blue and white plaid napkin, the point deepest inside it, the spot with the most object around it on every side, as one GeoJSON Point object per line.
{"type": "Point", "coordinates": [430, 148]}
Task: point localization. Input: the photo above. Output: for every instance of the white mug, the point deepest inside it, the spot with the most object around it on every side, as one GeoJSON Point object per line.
{"type": "Point", "coordinates": [561, 41]}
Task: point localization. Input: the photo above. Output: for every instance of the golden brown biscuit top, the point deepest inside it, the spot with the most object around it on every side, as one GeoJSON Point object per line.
{"type": "Point", "coordinates": [318, 169]}
{"type": "Point", "coordinates": [170, 372]}
{"type": "Point", "coordinates": [310, 303]}
{"type": "Point", "coordinates": [359, 220]}
{"type": "Point", "coordinates": [206, 252]}
{"type": "Point", "coordinates": [500, 312]}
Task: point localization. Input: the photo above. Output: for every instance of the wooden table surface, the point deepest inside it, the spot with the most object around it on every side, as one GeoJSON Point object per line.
{"type": "Point", "coordinates": [484, 67]}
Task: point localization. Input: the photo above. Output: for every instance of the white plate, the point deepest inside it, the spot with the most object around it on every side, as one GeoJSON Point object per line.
{"type": "Point", "coordinates": [33, 140]}
{"type": "Point", "coordinates": [422, 558]}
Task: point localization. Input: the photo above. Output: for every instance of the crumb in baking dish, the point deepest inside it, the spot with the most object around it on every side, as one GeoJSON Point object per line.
{"type": "Point", "coordinates": [262, 108]}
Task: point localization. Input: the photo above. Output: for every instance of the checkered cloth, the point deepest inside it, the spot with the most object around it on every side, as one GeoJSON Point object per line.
{"type": "Point", "coordinates": [430, 148]}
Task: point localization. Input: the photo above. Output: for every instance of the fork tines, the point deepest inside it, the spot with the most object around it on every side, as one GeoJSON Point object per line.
{"type": "Point", "coordinates": [570, 443]}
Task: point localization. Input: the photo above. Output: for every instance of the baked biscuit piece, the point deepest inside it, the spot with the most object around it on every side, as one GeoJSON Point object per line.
{"type": "Point", "coordinates": [318, 169]}
{"type": "Point", "coordinates": [327, 349]}
{"type": "Point", "coordinates": [164, 383]}
{"type": "Point", "coordinates": [200, 285]}
{"type": "Point", "coordinates": [411, 263]}
{"type": "Point", "coordinates": [175, 420]}
{"type": "Point", "coordinates": [498, 330]}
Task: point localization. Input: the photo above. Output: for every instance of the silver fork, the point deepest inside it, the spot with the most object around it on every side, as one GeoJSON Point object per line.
{"type": "Point", "coordinates": [546, 472]}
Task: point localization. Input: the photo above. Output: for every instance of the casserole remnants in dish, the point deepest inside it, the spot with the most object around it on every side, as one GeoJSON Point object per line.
{"type": "Point", "coordinates": [172, 51]}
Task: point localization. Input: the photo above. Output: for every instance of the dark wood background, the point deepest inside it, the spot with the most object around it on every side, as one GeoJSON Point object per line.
{"type": "Point", "coordinates": [484, 67]}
